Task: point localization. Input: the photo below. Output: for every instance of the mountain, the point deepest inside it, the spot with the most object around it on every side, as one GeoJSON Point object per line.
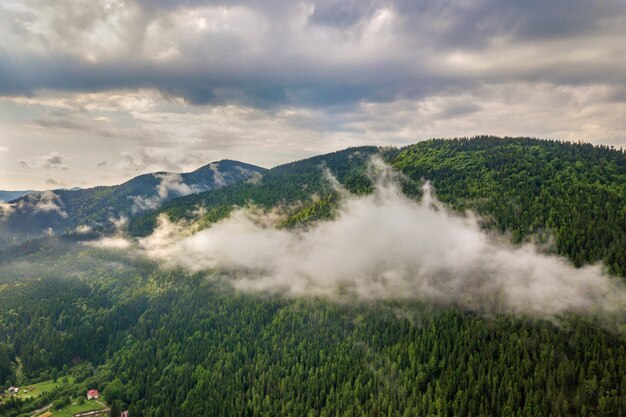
{"type": "Point", "coordinates": [158, 339]}
{"type": "Point", "coordinates": [532, 189]}
{"type": "Point", "coordinates": [62, 210]}
{"type": "Point", "coordinates": [12, 195]}
{"type": "Point", "coordinates": [283, 185]}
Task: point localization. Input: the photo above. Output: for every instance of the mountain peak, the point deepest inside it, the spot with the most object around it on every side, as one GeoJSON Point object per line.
{"type": "Point", "coordinates": [63, 210]}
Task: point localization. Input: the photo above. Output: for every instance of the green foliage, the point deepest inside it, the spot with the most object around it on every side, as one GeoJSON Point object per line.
{"type": "Point", "coordinates": [116, 409]}
{"type": "Point", "coordinates": [60, 403]}
{"type": "Point", "coordinates": [162, 342]}
{"type": "Point", "coordinates": [572, 194]}
{"type": "Point", "coordinates": [199, 348]}
{"type": "Point", "coordinates": [6, 372]}
{"type": "Point", "coordinates": [297, 183]}
{"type": "Point", "coordinates": [114, 391]}
{"type": "Point", "coordinates": [317, 210]}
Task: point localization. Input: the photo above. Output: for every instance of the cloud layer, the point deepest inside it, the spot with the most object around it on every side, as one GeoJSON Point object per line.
{"type": "Point", "coordinates": [214, 79]}
{"type": "Point", "coordinates": [385, 246]}
{"type": "Point", "coordinates": [313, 52]}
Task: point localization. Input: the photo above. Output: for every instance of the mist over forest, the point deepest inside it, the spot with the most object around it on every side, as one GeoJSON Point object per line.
{"type": "Point", "coordinates": [381, 278]}
{"type": "Point", "coordinates": [312, 208]}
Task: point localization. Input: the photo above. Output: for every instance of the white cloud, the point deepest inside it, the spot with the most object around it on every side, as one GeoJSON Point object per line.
{"type": "Point", "coordinates": [6, 209]}
{"type": "Point", "coordinates": [39, 202]}
{"type": "Point", "coordinates": [83, 229]}
{"type": "Point", "coordinates": [170, 185]}
{"type": "Point", "coordinates": [46, 201]}
{"type": "Point", "coordinates": [386, 246]}
{"type": "Point", "coordinates": [111, 243]}
{"type": "Point", "coordinates": [269, 82]}
{"type": "Point", "coordinates": [142, 203]}
{"type": "Point", "coordinates": [53, 160]}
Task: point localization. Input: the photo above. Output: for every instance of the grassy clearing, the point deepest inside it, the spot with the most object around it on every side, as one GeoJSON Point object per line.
{"type": "Point", "coordinates": [74, 408]}
{"type": "Point", "coordinates": [35, 390]}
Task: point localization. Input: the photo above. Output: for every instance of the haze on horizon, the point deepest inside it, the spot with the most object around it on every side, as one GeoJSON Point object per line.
{"type": "Point", "coordinates": [97, 92]}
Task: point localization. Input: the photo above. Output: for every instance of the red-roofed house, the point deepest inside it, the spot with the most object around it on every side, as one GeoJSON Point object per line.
{"type": "Point", "coordinates": [93, 394]}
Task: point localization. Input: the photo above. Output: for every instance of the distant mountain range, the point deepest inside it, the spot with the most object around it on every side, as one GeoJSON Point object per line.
{"type": "Point", "coordinates": [30, 215]}
{"type": "Point", "coordinates": [12, 195]}
{"type": "Point", "coordinates": [8, 196]}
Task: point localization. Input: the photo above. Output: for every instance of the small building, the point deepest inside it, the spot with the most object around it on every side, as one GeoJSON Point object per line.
{"type": "Point", "coordinates": [124, 414]}
{"type": "Point", "coordinates": [93, 394]}
{"type": "Point", "coordinates": [14, 390]}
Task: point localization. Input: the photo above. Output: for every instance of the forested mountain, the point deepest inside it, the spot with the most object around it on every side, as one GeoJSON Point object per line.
{"type": "Point", "coordinates": [572, 195]}
{"type": "Point", "coordinates": [61, 210]}
{"type": "Point", "coordinates": [162, 341]}
{"type": "Point", "coordinates": [296, 182]}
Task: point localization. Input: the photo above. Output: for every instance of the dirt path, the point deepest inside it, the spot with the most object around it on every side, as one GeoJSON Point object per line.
{"type": "Point", "coordinates": [40, 410]}
{"type": "Point", "coordinates": [93, 413]}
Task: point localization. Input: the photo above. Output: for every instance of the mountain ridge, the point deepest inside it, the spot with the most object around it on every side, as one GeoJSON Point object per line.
{"type": "Point", "coordinates": [534, 189]}
{"type": "Point", "coordinates": [60, 210]}
{"type": "Point", "coordinates": [8, 195]}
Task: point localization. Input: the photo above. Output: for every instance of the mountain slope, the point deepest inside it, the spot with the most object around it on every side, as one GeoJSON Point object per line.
{"type": "Point", "coordinates": [283, 185]}
{"type": "Point", "coordinates": [61, 210]}
{"type": "Point", "coordinates": [166, 342]}
{"type": "Point", "coordinates": [570, 198]}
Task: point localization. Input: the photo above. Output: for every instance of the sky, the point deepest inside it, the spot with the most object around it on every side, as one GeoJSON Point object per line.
{"type": "Point", "coordinates": [98, 91]}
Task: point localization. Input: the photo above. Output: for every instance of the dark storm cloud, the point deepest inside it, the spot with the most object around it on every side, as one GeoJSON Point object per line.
{"type": "Point", "coordinates": [314, 54]}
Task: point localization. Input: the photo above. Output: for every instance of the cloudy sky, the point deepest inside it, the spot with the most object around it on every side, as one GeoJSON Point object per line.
{"type": "Point", "coordinates": [97, 91]}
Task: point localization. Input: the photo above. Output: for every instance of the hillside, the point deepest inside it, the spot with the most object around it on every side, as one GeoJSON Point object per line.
{"type": "Point", "coordinates": [571, 197]}
{"type": "Point", "coordinates": [160, 339]}
{"type": "Point", "coordinates": [62, 210]}
{"type": "Point", "coordinates": [283, 185]}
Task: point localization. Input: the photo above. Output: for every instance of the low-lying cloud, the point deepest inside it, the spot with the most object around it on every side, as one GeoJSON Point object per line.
{"type": "Point", "coordinates": [173, 185]}
{"type": "Point", "coordinates": [170, 184]}
{"type": "Point", "coordinates": [386, 246]}
{"type": "Point", "coordinates": [40, 202]}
